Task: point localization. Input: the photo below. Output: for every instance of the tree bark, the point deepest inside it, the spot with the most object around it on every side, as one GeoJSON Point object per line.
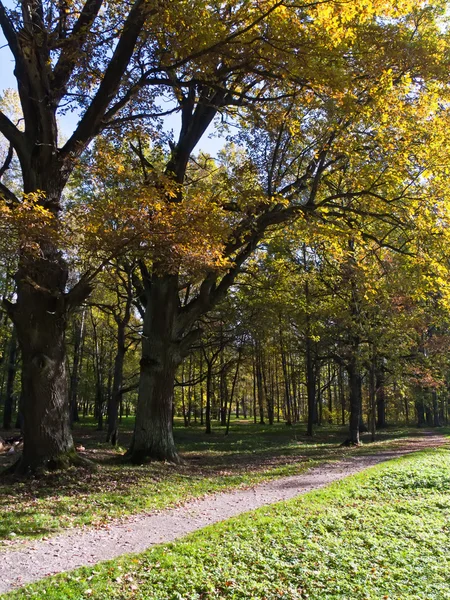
{"type": "Point", "coordinates": [355, 383]}
{"type": "Point", "coordinates": [436, 420]}
{"type": "Point", "coordinates": [310, 386]}
{"type": "Point", "coordinates": [420, 407]}
{"type": "Point", "coordinates": [77, 357]}
{"type": "Point", "coordinates": [112, 434]}
{"type": "Point", "coordinates": [381, 398]}
{"type": "Point", "coordinates": [259, 382]}
{"type": "Point", "coordinates": [40, 318]}
{"type": "Point", "coordinates": [153, 432]}
{"type": "Point", "coordinates": [208, 397]}
{"type": "Point", "coordinates": [10, 377]}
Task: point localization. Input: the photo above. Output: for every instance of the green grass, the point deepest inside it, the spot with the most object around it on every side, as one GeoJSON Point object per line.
{"type": "Point", "coordinates": [250, 454]}
{"type": "Point", "coordinates": [382, 534]}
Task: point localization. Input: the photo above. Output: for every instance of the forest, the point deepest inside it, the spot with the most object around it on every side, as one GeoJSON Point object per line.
{"type": "Point", "coordinates": [224, 284]}
{"type": "Point", "coordinates": [299, 275]}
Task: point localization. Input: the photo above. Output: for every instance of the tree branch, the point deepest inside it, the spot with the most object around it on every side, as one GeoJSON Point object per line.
{"type": "Point", "coordinates": [8, 195]}
{"type": "Point", "coordinates": [72, 46]}
{"type": "Point", "coordinates": [14, 136]}
{"type": "Point", "coordinates": [91, 121]}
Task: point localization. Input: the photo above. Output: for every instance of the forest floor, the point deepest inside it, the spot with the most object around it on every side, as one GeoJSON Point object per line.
{"type": "Point", "coordinates": [250, 454]}
{"type": "Point", "coordinates": [38, 559]}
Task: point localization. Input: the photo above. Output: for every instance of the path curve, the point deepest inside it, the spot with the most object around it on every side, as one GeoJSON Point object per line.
{"type": "Point", "coordinates": [77, 548]}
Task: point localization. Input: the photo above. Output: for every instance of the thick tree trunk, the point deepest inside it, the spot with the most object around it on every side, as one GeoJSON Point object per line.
{"type": "Point", "coordinates": [40, 318]}
{"type": "Point", "coordinates": [153, 433]}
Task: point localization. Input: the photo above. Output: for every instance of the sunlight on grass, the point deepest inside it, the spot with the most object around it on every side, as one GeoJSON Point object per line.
{"type": "Point", "coordinates": [249, 455]}
{"type": "Point", "coordinates": [382, 534]}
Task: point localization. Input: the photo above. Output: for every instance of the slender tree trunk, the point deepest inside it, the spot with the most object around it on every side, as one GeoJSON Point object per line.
{"type": "Point", "coordinates": [319, 402]}
{"type": "Point", "coordinates": [183, 404]}
{"type": "Point", "coordinates": [233, 387]}
{"type": "Point", "coordinates": [277, 386]}
{"type": "Point", "coordinates": [420, 407]}
{"type": "Point", "coordinates": [355, 383]}
{"type": "Point", "coordinates": [259, 383]}
{"type": "Point", "coordinates": [153, 432]}
{"type": "Point", "coordinates": [98, 372]}
{"type": "Point", "coordinates": [75, 376]}
{"type": "Point", "coordinates": [436, 421]}
{"type": "Point", "coordinates": [310, 387]}
{"type": "Point", "coordinates": [201, 390]}
{"type": "Point", "coordinates": [341, 393]}
{"type": "Point", "coordinates": [285, 377]}
{"type": "Point", "coordinates": [10, 377]}
{"type": "Point", "coordinates": [373, 398]}
{"type": "Point", "coordinates": [381, 397]}
{"type": "Point", "coordinates": [208, 397]}
{"type": "Point", "coordinates": [114, 399]}
{"type": "Point", "coordinates": [255, 420]}
{"type": "Point", "coordinates": [270, 393]}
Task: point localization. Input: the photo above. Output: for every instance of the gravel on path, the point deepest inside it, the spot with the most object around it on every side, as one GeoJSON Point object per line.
{"type": "Point", "coordinates": [86, 547]}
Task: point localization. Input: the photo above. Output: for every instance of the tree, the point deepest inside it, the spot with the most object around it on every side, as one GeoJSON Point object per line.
{"type": "Point", "coordinates": [115, 62]}
{"type": "Point", "coordinates": [111, 62]}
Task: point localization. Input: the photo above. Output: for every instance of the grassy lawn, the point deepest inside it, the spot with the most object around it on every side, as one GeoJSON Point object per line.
{"type": "Point", "coordinates": [382, 534]}
{"type": "Point", "coordinates": [250, 454]}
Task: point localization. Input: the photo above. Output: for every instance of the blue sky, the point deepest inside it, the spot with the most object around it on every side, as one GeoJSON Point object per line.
{"type": "Point", "coordinates": [68, 122]}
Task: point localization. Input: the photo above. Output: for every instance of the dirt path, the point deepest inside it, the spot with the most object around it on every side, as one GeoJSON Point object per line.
{"type": "Point", "coordinates": [87, 547]}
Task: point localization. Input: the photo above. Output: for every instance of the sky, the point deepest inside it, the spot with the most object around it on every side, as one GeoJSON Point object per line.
{"type": "Point", "coordinates": [210, 143]}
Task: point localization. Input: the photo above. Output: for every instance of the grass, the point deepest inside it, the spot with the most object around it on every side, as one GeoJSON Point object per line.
{"type": "Point", "coordinates": [382, 534]}
{"type": "Point", "coordinates": [250, 454]}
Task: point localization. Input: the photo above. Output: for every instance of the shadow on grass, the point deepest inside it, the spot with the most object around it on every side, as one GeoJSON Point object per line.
{"type": "Point", "coordinates": [250, 453]}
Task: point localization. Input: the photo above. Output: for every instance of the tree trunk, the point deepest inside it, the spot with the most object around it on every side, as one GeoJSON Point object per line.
{"type": "Point", "coordinates": [287, 391]}
{"type": "Point", "coordinates": [341, 393]}
{"type": "Point", "coordinates": [201, 389]}
{"type": "Point", "coordinates": [208, 397]}
{"type": "Point", "coordinates": [112, 434]}
{"type": "Point", "coordinates": [75, 376]}
{"type": "Point", "coordinates": [373, 398]}
{"type": "Point", "coordinates": [40, 318]}
{"type": "Point", "coordinates": [310, 387]}
{"type": "Point", "coordinates": [255, 420]}
{"type": "Point", "coordinates": [259, 383]}
{"type": "Point", "coordinates": [233, 387]}
{"type": "Point", "coordinates": [153, 432]}
{"type": "Point", "coordinates": [355, 383]}
{"type": "Point", "coordinates": [436, 420]}
{"type": "Point", "coordinates": [381, 398]}
{"type": "Point", "coordinates": [11, 375]}
{"type": "Point", "coordinates": [420, 407]}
